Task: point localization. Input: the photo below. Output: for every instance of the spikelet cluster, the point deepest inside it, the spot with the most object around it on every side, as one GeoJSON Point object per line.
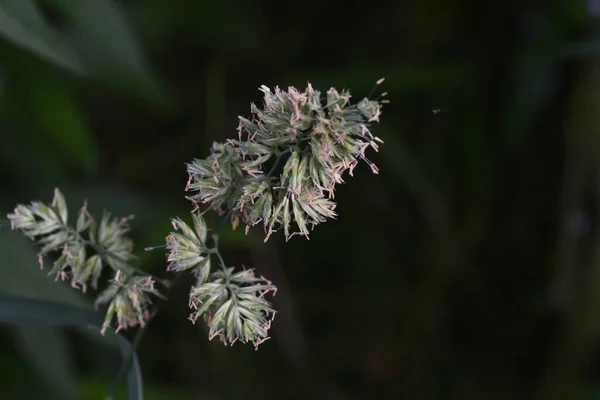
{"type": "Point", "coordinates": [84, 250]}
{"type": "Point", "coordinates": [284, 165]}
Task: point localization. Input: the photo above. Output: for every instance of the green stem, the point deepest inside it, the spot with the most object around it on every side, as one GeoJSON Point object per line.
{"type": "Point", "coordinates": [112, 392]}
{"type": "Point", "coordinates": [104, 253]}
{"type": "Point", "coordinates": [136, 340]}
{"type": "Point", "coordinates": [215, 251]}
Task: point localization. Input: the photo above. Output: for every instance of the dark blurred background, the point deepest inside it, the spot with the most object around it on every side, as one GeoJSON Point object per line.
{"type": "Point", "coordinates": [469, 268]}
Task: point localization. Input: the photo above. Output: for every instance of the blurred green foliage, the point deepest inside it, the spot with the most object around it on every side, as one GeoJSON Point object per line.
{"type": "Point", "coordinates": [467, 269]}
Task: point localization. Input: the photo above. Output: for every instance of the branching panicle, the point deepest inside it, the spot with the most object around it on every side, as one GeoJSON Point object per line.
{"type": "Point", "coordinates": [232, 304]}
{"type": "Point", "coordinates": [281, 171]}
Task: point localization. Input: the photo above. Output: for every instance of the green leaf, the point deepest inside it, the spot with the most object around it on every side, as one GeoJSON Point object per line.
{"type": "Point", "coordinates": [109, 47]}
{"type": "Point", "coordinates": [45, 111]}
{"type": "Point", "coordinates": [22, 24]}
{"type": "Point", "coordinates": [20, 273]}
{"type": "Point", "coordinates": [20, 276]}
{"type": "Point", "coordinates": [20, 381]}
{"type": "Point", "coordinates": [14, 310]}
{"type": "Point", "coordinates": [62, 121]}
{"type": "Point", "coordinates": [47, 350]}
{"type": "Point", "coordinates": [22, 310]}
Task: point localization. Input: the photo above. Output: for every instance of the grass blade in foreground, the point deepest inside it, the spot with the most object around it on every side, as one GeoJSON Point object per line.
{"type": "Point", "coordinates": [14, 310]}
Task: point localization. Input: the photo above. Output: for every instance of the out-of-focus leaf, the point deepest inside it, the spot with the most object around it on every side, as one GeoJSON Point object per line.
{"type": "Point", "coordinates": [42, 109]}
{"type": "Point", "coordinates": [44, 347]}
{"type": "Point", "coordinates": [18, 310]}
{"type": "Point", "coordinates": [22, 24]}
{"type": "Point", "coordinates": [110, 49]}
{"type": "Point", "coordinates": [17, 168]}
{"type": "Point", "coordinates": [47, 350]}
{"type": "Point", "coordinates": [59, 120]}
{"type": "Point", "coordinates": [23, 310]}
{"type": "Point", "coordinates": [135, 384]}
{"type": "Point", "coordinates": [156, 21]}
{"type": "Point", "coordinates": [19, 380]}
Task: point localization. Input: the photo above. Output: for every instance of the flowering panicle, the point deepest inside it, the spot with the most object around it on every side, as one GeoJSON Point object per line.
{"type": "Point", "coordinates": [281, 171]}
{"type": "Point", "coordinates": [283, 167]}
{"type": "Point", "coordinates": [128, 294]}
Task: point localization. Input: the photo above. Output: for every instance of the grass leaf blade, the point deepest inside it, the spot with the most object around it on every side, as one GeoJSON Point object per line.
{"type": "Point", "coordinates": [24, 311]}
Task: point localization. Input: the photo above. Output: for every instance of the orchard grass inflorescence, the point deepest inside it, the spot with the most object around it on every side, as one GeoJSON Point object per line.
{"type": "Point", "coordinates": [283, 167]}
{"type": "Point", "coordinates": [281, 170]}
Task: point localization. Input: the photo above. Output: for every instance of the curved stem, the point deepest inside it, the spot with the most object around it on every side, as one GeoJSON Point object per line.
{"type": "Point", "coordinates": [134, 343]}
{"type": "Point", "coordinates": [114, 388]}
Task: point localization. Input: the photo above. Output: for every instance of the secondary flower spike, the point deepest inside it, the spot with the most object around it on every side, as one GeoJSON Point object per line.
{"type": "Point", "coordinates": [84, 250]}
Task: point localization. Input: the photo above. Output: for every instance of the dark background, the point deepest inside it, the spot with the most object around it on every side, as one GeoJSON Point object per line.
{"type": "Point", "coordinates": [469, 268]}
